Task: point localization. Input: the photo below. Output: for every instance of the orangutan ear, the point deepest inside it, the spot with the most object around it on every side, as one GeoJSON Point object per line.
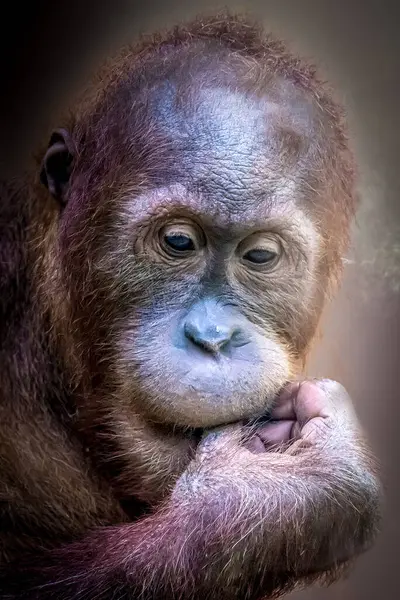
{"type": "Point", "coordinates": [57, 164]}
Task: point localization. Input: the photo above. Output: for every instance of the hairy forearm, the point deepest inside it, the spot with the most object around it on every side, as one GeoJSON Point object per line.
{"type": "Point", "coordinates": [240, 526]}
{"type": "Point", "coordinates": [299, 513]}
{"type": "Point", "coordinates": [111, 562]}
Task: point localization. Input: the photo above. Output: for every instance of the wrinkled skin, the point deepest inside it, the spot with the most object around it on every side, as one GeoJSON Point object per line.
{"type": "Point", "coordinates": [163, 272]}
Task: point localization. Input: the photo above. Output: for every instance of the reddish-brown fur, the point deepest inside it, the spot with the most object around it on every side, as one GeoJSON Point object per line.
{"type": "Point", "coordinates": [78, 467]}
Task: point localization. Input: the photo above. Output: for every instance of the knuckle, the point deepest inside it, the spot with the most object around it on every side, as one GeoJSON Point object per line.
{"type": "Point", "coordinates": [332, 387]}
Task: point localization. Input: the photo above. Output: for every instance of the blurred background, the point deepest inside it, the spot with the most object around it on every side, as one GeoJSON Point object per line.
{"type": "Point", "coordinates": [50, 49]}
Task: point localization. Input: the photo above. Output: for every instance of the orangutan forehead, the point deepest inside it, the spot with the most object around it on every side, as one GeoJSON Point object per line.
{"type": "Point", "coordinates": [229, 118]}
{"type": "Point", "coordinates": [240, 148]}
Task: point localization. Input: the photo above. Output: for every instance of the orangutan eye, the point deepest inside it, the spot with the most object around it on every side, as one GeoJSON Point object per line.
{"type": "Point", "coordinates": [260, 251]}
{"type": "Point", "coordinates": [179, 242]}
{"type": "Point", "coordinates": [181, 239]}
{"type": "Point", "coordinates": [260, 256]}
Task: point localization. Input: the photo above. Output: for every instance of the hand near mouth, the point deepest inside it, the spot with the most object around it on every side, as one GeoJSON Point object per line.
{"type": "Point", "coordinates": [305, 410]}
